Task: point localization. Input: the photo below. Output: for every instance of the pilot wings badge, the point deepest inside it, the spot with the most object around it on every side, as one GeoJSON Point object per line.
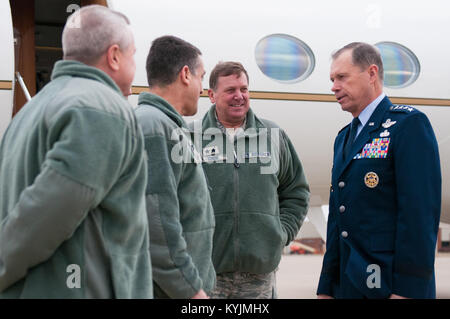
{"type": "Point", "coordinates": [388, 123]}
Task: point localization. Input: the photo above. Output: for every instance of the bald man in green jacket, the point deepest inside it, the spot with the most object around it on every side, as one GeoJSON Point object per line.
{"type": "Point", "coordinates": [73, 175]}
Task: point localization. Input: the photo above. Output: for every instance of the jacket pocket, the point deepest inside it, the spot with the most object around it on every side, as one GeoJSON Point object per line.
{"type": "Point", "coordinates": [260, 242]}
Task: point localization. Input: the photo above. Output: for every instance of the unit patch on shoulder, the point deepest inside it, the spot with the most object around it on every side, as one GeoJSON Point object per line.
{"type": "Point", "coordinates": [402, 108]}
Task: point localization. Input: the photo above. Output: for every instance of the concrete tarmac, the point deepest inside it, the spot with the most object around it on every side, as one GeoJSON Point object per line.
{"type": "Point", "coordinates": [298, 275]}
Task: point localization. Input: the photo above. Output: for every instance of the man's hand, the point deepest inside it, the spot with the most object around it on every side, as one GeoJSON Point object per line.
{"type": "Point", "coordinates": [394, 296]}
{"type": "Point", "coordinates": [200, 295]}
{"type": "Point", "coordinates": [324, 297]}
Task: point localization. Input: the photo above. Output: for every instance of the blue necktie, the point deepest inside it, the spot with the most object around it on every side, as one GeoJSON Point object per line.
{"type": "Point", "coordinates": [351, 137]}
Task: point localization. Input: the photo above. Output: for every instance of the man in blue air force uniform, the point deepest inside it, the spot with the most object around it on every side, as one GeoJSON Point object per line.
{"type": "Point", "coordinates": [385, 195]}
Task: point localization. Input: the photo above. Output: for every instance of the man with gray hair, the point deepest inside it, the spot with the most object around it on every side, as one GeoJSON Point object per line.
{"type": "Point", "coordinates": [73, 175]}
{"type": "Point", "coordinates": [385, 195]}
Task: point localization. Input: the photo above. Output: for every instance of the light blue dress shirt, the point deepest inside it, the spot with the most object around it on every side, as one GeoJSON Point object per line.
{"type": "Point", "coordinates": [367, 112]}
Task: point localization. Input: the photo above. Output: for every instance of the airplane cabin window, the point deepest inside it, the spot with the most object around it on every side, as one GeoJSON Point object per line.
{"type": "Point", "coordinates": [401, 66]}
{"type": "Point", "coordinates": [284, 58]}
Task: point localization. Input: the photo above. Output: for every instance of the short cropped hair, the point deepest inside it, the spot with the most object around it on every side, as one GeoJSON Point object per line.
{"type": "Point", "coordinates": [225, 69]}
{"type": "Point", "coordinates": [363, 55]}
{"type": "Point", "coordinates": [167, 56]}
{"type": "Point", "coordinates": [90, 31]}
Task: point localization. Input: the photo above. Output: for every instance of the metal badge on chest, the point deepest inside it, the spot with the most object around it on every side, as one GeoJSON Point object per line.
{"type": "Point", "coordinates": [371, 179]}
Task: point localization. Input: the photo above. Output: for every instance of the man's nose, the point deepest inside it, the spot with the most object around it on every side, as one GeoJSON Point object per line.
{"type": "Point", "coordinates": [335, 87]}
{"type": "Point", "coordinates": [238, 95]}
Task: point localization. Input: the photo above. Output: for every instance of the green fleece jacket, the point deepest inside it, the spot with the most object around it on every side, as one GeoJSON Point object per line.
{"type": "Point", "coordinates": [179, 209]}
{"type": "Point", "coordinates": [72, 182]}
{"type": "Point", "coordinates": [259, 192]}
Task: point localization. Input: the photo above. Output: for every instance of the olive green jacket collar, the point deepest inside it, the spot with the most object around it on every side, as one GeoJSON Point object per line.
{"type": "Point", "coordinates": [252, 121]}
{"type": "Point", "coordinates": [162, 105]}
{"type": "Point", "coordinates": [78, 69]}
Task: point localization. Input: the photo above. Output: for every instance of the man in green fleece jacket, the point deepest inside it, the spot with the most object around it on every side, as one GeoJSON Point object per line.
{"type": "Point", "coordinates": [179, 209]}
{"type": "Point", "coordinates": [73, 175]}
{"type": "Point", "coordinates": [259, 190]}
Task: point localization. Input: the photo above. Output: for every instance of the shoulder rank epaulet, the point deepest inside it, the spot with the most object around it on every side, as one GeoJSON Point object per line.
{"type": "Point", "coordinates": [402, 108]}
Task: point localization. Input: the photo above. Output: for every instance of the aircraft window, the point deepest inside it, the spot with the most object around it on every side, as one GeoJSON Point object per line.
{"type": "Point", "coordinates": [401, 66]}
{"type": "Point", "coordinates": [284, 58]}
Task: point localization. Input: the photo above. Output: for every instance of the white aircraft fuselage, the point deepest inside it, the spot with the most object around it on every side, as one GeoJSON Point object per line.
{"type": "Point", "coordinates": [305, 108]}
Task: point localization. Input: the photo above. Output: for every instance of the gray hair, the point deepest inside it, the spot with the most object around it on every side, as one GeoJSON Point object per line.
{"type": "Point", "coordinates": [363, 55]}
{"type": "Point", "coordinates": [90, 31]}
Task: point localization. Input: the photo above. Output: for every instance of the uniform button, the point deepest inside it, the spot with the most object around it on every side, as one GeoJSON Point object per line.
{"type": "Point", "coordinates": [342, 209]}
{"type": "Point", "coordinates": [344, 234]}
{"type": "Point", "coordinates": [341, 184]}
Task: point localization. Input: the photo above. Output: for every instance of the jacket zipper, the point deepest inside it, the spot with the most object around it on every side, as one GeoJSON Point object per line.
{"type": "Point", "coordinates": [236, 208]}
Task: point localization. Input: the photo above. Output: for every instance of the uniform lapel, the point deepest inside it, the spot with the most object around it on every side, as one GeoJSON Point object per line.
{"type": "Point", "coordinates": [363, 137]}
{"type": "Point", "coordinates": [339, 149]}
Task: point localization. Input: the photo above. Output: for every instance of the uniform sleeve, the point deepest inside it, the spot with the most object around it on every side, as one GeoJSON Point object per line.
{"type": "Point", "coordinates": [329, 275]}
{"type": "Point", "coordinates": [418, 180]}
{"type": "Point", "coordinates": [79, 168]}
{"type": "Point", "coordinates": [293, 190]}
{"type": "Point", "coordinates": [173, 269]}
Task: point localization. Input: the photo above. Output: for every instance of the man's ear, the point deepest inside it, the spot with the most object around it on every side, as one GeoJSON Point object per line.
{"type": "Point", "coordinates": [373, 72]}
{"type": "Point", "coordinates": [113, 56]}
{"type": "Point", "coordinates": [211, 96]}
{"type": "Point", "coordinates": [185, 75]}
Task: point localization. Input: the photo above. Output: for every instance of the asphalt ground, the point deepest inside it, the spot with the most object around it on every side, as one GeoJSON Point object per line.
{"type": "Point", "coordinates": [298, 275]}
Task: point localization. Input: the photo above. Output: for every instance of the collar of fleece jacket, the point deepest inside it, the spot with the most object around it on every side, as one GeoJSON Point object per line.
{"type": "Point", "coordinates": [78, 69]}
{"type": "Point", "coordinates": [163, 106]}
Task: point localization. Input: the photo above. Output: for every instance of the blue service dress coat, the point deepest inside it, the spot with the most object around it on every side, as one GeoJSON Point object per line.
{"type": "Point", "coordinates": [385, 202]}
